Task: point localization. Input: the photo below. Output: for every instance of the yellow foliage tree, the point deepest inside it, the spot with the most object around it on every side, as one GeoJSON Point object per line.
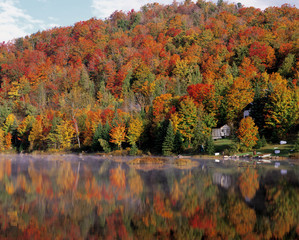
{"type": "Point", "coordinates": [25, 125]}
{"type": "Point", "coordinates": [135, 130]}
{"type": "Point", "coordinates": [66, 133]}
{"type": "Point", "coordinates": [1, 140]}
{"type": "Point", "coordinates": [36, 134]}
{"type": "Point", "coordinates": [118, 135]}
{"type": "Point", "coordinates": [19, 89]}
{"type": "Point", "coordinates": [10, 123]}
{"type": "Point", "coordinates": [239, 96]}
{"type": "Point", "coordinates": [175, 120]}
{"type": "Point", "coordinates": [8, 141]}
{"type": "Point", "coordinates": [282, 108]}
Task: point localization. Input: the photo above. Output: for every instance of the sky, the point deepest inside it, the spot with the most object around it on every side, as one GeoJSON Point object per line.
{"type": "Point", "coordinates": [19, 18]}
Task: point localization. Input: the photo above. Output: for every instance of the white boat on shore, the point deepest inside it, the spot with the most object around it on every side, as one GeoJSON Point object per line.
{"type": "Point", "coordinates": [265, 155]}
{"type": "Point", "coordinates": [265, 161]}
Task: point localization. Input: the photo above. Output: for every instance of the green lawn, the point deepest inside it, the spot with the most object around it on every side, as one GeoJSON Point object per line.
{"type": "Point", "coordinates": [222, 144]}
{"type": "Point", "coordinates": [285, 150]}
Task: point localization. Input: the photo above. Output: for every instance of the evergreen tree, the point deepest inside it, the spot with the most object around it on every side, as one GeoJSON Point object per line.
{"type": "Point", "coordinates": [196, 76]}
{"type": "Point", "coordinates": [97, 135]}
{"type": "Point", "coordinates": [160, 133]}
{"type": "Point", "coordinates": [258, 144]}
{"type": "Point", "coordinates": [264, 141]}
{"type": "Point", "coordinates": [134, 150]}
{"type": "Point", "coordinates": [210, 147]}
{"type": "Point", "coordinates": [106, 131]}
{"type": "Point", "coordinates": [235, 71]}
{"type": "Point", "coordinates": [168, 143]}
{"type": "Point", "coordinates": [101, 138]}
{"type": "Point", "coordinates": [286, 69]}
{"type": "Point", "coordinates": [178, 142]}
{"type": "Point", "coordinates": [200, 136]}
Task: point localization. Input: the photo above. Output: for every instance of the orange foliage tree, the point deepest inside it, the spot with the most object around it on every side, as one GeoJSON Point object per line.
{"type": "Point", "coordinates": [247, 133]}
{"type": "Point", "coordinates": [161, 106]}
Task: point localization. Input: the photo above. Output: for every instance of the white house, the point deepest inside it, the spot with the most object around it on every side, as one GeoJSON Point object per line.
{"type": "Point", "coordinates": [218, 133]}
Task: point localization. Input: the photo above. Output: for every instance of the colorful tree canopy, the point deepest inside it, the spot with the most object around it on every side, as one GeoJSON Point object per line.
{"type": "Point", "coordinates": [222, 56]}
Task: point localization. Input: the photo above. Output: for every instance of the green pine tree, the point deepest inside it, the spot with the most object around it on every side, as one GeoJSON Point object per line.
{"type": "Point", "coordinates": [106, 131]}
{"type": "Point", "coordinates": [210, 147]}
{"type": "Point", "coordinates": [168, 143]}
{"type": "Point", "coordinates": [200, 136]}
{"type": "Point", "coordinates": [160, 133]}
{"type": "Point", "coordinates": [178, 142]}
{"type": "Point", "coordinates": [97, 135]}
{"type": "Point", "coordinates": [134, 150]}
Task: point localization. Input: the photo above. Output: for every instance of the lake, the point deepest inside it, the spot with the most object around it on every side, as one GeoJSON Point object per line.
{"type": "Point", "coordinates": [93, 197]}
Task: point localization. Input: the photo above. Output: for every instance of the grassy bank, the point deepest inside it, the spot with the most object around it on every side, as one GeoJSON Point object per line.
{"type": "Point", "coordinates": [286, 150]}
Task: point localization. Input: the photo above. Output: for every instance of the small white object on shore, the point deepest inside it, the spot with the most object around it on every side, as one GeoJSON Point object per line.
{"type": "Point", "coordinates": [216, 154]}
{"type": "Point", "coordinates": [277, 151]}
{"type": "Point", "coordinates": [283, 142]}
{"type": "Point", "coordinates": [265, 161]}
{"type": "Point", "coordinates": [265, 155]}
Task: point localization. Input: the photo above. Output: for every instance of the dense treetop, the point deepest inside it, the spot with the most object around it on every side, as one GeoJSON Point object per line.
{"type": "Point", "coordinates": [195, 65]}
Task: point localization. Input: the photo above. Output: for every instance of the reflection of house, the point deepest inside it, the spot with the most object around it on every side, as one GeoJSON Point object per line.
{"type": "Point", "coordinates": [222, 132]}
{"type": "Point", "coordinates": [222, 180]}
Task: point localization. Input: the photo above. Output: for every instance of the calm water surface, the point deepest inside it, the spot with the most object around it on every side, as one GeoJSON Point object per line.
{"type": "Point", "coordinates": [72, 197]}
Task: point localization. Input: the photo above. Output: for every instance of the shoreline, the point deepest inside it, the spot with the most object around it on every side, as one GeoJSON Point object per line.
{"type": "Point", "coordinates": [195, 156]}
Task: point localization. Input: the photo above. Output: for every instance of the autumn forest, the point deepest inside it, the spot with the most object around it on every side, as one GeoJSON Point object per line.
{"type": "Point", "coordinates": [157, 80]}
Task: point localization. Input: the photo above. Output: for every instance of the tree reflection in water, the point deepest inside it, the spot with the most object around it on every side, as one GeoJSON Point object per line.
{"type": "Point", "coordinates": [67, 198]}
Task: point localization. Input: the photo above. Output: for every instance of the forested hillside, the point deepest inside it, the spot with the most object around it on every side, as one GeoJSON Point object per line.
{"type": "Point", "coordinates": [158, 80]}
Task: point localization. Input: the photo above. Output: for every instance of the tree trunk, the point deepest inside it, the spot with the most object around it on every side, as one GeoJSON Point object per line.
{"type": "Point", "coordinates": [76, 125]}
